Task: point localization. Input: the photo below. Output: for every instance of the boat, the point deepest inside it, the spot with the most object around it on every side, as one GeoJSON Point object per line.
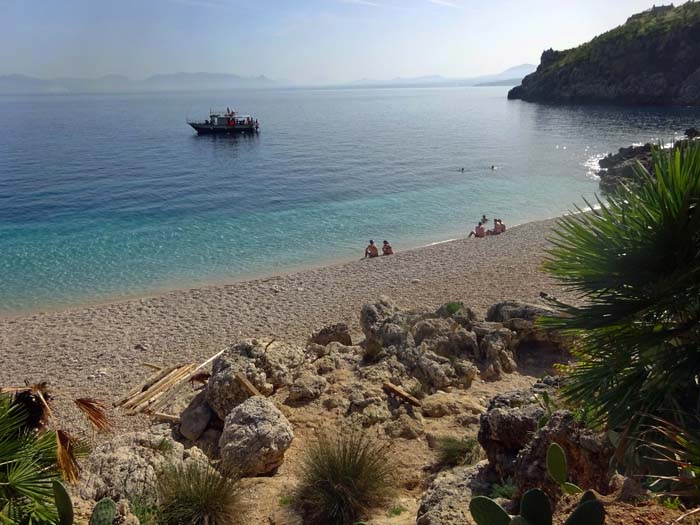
{"type": "Point", "coordinates": [227, 122]}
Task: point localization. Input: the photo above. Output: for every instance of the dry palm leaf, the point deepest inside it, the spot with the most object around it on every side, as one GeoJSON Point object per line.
{"type": "Point", "coordinates": [65, 455]}
{"type": "Point", "coordinates": [96, 413]}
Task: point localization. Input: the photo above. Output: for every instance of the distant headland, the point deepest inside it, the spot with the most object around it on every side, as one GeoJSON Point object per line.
{"type": "Point", "coordinates": [652, 59]}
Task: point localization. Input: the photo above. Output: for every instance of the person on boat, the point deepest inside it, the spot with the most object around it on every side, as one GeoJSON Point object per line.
{"type": "Point", "coordinates": [371, 250]}
{"type": "Point", "coordinates": [478, 231]}
{"type": "Point", "coordinates": [387, 249]}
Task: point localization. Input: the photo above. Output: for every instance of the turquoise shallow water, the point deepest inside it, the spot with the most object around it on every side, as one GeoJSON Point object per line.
{"type": "Point", "coordinates": [109, 196]}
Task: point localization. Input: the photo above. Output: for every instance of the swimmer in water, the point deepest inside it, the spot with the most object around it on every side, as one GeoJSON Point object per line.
{"type": "Point", "coordinates": [493, 167]}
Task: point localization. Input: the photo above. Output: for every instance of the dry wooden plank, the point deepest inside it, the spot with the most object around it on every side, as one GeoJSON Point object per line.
{"type": "Point", "coordinates": [153, 366]}
{"type": "Point", "coordinates": [172, 388]}
{"type": "Point", "coordinates": [146, 394]}
{"type": "Point", "coordinates": [247, 385]}
{"type": "Point", "coordinates": [162, 390]}
{"type": "Point", "coordinates": [400, 392]}
{"type": "Point", "coordinates": [168, 418]}
{"type": "Point", "coordinates": [152, 379]}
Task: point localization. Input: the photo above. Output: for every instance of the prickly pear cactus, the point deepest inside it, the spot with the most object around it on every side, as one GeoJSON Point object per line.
{"type": "Point", "coordinates": [485, 511]}
{"type": "Point", "coordinates": [558, 469]}
{"type": "Point", "coordinates": [535, 508]}
{"type": "Point", "coordinates": [589, 512]}
{"type": "Point", "coordinates": [104, 512]}
{"type": "Point", "coordinates": [64, 505]}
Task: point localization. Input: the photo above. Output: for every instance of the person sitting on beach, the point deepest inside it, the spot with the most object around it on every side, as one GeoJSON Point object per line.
{"type": "Point", "coordinates": [478, 231]}
{"type": "Point", "coordinates": [503, 226]}
{"type": "Point", "coordinates": [387, 249]}
{"type": "Point", "coordinates": [497, 228]}
{"type": "Point", "coordinates": [371, 250]}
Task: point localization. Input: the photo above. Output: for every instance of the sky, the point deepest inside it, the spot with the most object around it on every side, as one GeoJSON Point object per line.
{"type": "Point", "coordinates": [304, 41]}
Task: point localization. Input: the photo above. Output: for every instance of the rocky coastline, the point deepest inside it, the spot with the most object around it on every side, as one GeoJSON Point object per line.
{"type": "Point", "coordinates": [652, 59]}
{"type": "Point", "coordinates": [620, 168]}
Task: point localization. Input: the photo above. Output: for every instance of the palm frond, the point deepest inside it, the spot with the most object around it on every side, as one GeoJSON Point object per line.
{"type": "Point", "coordinates": [96, 413]}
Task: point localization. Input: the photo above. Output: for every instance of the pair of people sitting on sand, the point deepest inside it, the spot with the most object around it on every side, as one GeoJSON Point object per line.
{"type": "Point", "coordinates": [480, 231]}
{"type": "Point", "coordinates": [372, 251]}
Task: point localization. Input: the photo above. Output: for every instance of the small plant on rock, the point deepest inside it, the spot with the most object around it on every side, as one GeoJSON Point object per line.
{"type": "Point", "coordinates": [193, 493]}
{"type": "Point", "coordinates": [454, 451]}
{"type": "Point", "coordinates": [345, 476]}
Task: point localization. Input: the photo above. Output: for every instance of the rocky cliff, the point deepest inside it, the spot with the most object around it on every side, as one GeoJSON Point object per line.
{"type": "Point", "coordinates": [652, 59]}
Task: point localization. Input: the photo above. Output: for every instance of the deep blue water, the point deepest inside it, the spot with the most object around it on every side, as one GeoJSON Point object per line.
{"type": "Point", "coordinates": [106, 196]}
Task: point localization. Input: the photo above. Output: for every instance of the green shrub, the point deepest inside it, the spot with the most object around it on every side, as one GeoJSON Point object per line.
{"type": "Point", "coordinates": [454, 451]}
{"type": "Point", "coordinates": [28, 468]}
{"type": "Point", "coordinates": [505, 489]}
{"type": "Point", "coordinates": [636, 261]}
{"type": "Point", "coordinates": [195, 494]}
{"type": "Point", "coordinates": [345, 476]}
{"type": "Point", "coordinates": [147, 513]}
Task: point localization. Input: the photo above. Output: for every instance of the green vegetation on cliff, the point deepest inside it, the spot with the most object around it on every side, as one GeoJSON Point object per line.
{"type": "Point", "coordinates": [654, 58]}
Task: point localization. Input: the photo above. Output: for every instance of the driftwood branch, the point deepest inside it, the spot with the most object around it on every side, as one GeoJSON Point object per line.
{"type": "Point", "coordinates": [391, 388]}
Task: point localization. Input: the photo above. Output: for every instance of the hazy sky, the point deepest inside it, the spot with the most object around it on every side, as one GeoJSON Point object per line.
{"type": "Point", "coordinates": [315, 41]}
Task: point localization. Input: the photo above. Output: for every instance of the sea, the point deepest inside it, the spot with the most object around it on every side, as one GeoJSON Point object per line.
{"type": "Point", "coordinates": [111, 196]}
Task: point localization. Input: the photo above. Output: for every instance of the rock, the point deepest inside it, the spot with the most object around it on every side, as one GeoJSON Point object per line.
{"type": "Point", "coordinates": [496, 348]}
{"type": "Point", "coordinates": [196, 417]}
{"type": "Point", "coordinates": [506, 310]}
{"type": "Point", "coordinates": [446, 501]}
{"type": "Point", "coordinates": [692, 133]}
{"type": "Point", "coordinates": [266, 369]}
{"type": "Point", "coordinates": [256, 435]}
{"type": "Point", "coordinates": [588, 456]}
{"type": "Point", "coordinates": [384, 325]}
{"type": "Point", "coordinates": [508, 425]}
{"type": "Point", "coordinates": [443, 404]}
{"type": "Point", "coordinates": [122, 466]}
{"type": "Point", "coordinates": [338, 332]}
{"type": "Point", "coordinates": [208, 443]}
{"type": "Point", "coordinates": [446, 337]}
{"type": "Point", "coordinates": [404, 427]}
{"type": "Point", "coordinates": [307, 388]}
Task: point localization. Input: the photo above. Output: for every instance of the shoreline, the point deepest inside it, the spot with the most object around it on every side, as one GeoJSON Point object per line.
{"type": "Point", "coordinates": [100, 350]}
{"type": "Point", "coordinates": [191, 286]}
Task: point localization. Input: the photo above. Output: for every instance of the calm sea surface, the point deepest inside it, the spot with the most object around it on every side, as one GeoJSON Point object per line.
{"type": "Point", "coordinates": [109, 196]}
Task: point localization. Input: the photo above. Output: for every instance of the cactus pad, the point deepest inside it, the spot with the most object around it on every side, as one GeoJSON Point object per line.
{"type": "Point", "coordinates": [485, 511]}
{"type": "Point", "coordinates": [535, 508]}
{"type": "Point", "coordinates": [556, 463]}
{"type": "Point", "coordinates": [104, 512]}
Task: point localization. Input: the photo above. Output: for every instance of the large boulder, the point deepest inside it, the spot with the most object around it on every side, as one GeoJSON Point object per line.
{"type": "Point", "coordinates": [307, 387]}
{"type": "Point", "coordinates": [195, 419]}
{"type": "Point", "coordinates": [256, 435]}
{"type": "Point", "coordinates": [505, 311]}
{"type": "Point", "coordinates": [384, 326]}
{"type": "Point", "coordinates": [508, 425]}
{"type": "Point", "coordinates": [266, 367]}
{"type": "Point", "coordinates": [338, 332]}
{"type": "Point", "coordinates": [588, 456]}
{"type": "Point", "coordinates": [446, 501]}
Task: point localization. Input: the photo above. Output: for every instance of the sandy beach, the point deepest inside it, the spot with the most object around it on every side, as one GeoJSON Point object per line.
{"type": "Point", "coordinates": [100, 350]}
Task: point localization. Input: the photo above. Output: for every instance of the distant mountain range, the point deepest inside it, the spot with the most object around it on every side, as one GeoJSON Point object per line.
{"type": "Point", "coordinates": [15, 84]}
{"type": "Point", "coordinates": [510, 77]}
{"type": "Point", "coordinates": [117, 83]}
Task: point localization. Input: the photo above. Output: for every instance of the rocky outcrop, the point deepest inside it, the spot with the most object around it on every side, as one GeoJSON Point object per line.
{"type": "Point", "coordinates": [267, 368]}
{"type": "Point", "coordinates": [508, 425]}
{"type": "Point", "coordinates": [256, 435]}
{"type": "Point", "coordinates": [588, 456]}
{"type": "Point", "coordinates": [621, 167]}
{"type": "Point", "coordinates": [653, 59]}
